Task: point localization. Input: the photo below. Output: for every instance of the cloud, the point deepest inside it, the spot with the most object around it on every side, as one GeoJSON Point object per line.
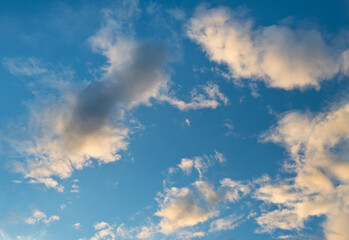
{"type": "Point", "coordinates": [24, 66]}
{"type": "Point", "coordinates": [227, 223]}
{"type": "Point", "coordinates": [75, 188]}
{"type": "Point", "coordinates": [230, 128]}
{"type": "Point", "coordinates": [281, 56]}
{"type": "Point", "coordinates": [201, 164]}
{"type": "Point", "coordinates": [189, 211]}
{"type": "Point", "coordinates": [181, 208]}
{"type": "Point", "coordinates": [48, 182]}
{"type": "Point", "coordinates": [40, 235]}
{"type": "Point", "coordinates": [83, 123]}
{"type": "Point", "coordinates": [318, 147]}
{"type": "Point", "coordinates": [186, 165]}
{"type": "Point", "coordinates": [72, 125]}
{"type": "Point", "coordinates": [187, 121]}
{"type": "Point", "coordinates": [39, 216]}
{"type": "Point", "coordinates": [51, 219]}
{"type": "Point", "coordinates": [77, 226]}
{"type": "Point", "coordinates": [204, 96]}
{"type": "Point", "coordinates": [104, 231]}
{"type": "Point", "coordinates": [177, 13]}
{"type": "Point", "coordinates": [146, 232]}
{"type": "Point", "coordinates": [188, 206]}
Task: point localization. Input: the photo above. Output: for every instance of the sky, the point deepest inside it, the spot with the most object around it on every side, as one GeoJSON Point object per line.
{"type": "Point", "coordinates": [160, 120]}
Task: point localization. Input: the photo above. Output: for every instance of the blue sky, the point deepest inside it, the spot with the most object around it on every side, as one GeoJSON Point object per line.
{"type": "Point", "coordinates": [174, 120]}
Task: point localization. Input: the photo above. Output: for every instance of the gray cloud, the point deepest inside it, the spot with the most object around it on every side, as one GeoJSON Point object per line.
{"type": "Point", "coordinates": [69, 129]}
{"type": "Point", "coordinates": [120, 89]}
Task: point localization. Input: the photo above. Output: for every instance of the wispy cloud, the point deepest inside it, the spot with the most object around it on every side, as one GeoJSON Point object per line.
{"type": "Point", "coordinates": [24, 66]}
{"type": "Point", "coordinates": [227, 223]}
{"type": "Point", "coordinates": [204, 96]}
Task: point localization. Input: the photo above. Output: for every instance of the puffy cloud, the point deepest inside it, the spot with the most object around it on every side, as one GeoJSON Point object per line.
{"type": "Point", "coordinates": [104, 231]}
{"type": "Point", "coordinates": [233, 190]}
{"type": "Point", "coordinates": [186, 165]}
{"type": "Point", "coordinates": [188, 206]}
{"type": "Point", "coordinates": [188, 212]}
{"type": "Point", "coordinates": [38, 216]}
{"type": "Point", "coordinates": [318, 146]}
{"type": "Point", "coordinates": [181, 208]}
{"type": "Point", "coordinates": [281, 56]}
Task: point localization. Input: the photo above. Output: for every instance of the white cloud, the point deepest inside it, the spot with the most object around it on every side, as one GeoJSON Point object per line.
{"type": "Point", "coordinates": [227, 223]}
{"type": "Point", "coordinates": [77, 225]}
{"type": "Point", "coordinates": [204, 96]}
{"type": "Point", "coordinates": [105, 231]}
{"type": "Point", "coordinates": [40, 235]}
{"type": "Point", "coordinates": [49, 183]}
{"type": "Point", "coordinates": [24, 66]}
{"type": "Point", "coordinates": [181, 208]}
{"type": "Point", "coordinates": [75, 188]}
{"type": "Point", "coordinates": [201, 164]}
{"type": "Point", "coordinates": [219, 157]}
{"type": "Point", "coordinates": [281, 56]}
{"type": "Point", "coordinates": [186, 165]}
{"type": "Point", "coordinates": [51, 219]}
{"type": "Point", "coordinates": [185, 207]}
{"type": "Point", "coordinates": [145, 233]}
{"type": "Point", "coordinates": [186, 212]}
{"type": "Point", "coordinates": [187, 121]}
{"type": "Point", "coordinates": [100, 225]}
{"type": "Point", "coordinates": [38, 216]}
{"type": "Point", "coordinates": [318, 146]}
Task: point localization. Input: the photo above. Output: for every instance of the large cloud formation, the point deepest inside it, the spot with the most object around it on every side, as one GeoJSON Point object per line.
{"type": "Point", "coordinates": [72, 125]}
{"type": "Point", "coordinates": [182, 209]}
{"type": "Point", "coordinates": [281, 56]}
{"type": "Point", "coordinates": [67, 130]}
{"type": "Point", "coordinates": [319, 150]}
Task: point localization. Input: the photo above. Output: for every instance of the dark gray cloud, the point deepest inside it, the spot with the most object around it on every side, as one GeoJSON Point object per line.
{"type": "Point", "coordinates": [122, 89]}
